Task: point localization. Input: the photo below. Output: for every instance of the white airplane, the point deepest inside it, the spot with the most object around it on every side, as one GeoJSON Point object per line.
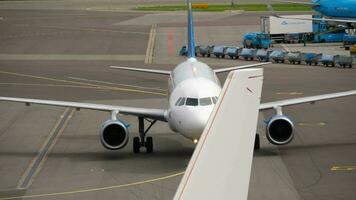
{"type": "Point", "coordinates": [193, 91]}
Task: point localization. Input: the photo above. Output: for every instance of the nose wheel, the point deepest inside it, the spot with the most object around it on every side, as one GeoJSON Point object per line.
{"type": "Point", "coordinates": [143, 141]}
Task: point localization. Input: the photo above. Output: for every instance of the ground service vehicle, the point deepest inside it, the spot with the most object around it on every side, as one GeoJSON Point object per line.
{"type": "Point", "coordinates": [257, 40]}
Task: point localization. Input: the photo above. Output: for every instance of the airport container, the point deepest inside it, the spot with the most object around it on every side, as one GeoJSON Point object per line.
{"type": "Point", "coordinates": [278, 55]}
{"type": "Point", "coordinates": [219, 51]}
{"type": "Point", "coordinates": [312, 58]}
{"type": "Point", "coordinates": [295, 57]}
{"type": "Point", "coordinates": [233, 52]}
{"type": "Point", "coordinates": [263, 55]}
{"type": "Point", "coordinates": [344, 61]}
{"type": "Point", "coordinates": [328, 60]}
{"type": "Point", "coordinates": [248, 53]}
{"type": "Point", "coordinates": [206, 51]}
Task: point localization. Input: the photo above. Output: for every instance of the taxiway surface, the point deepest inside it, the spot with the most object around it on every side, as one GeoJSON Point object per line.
{"type": "Point", "coordinates": [55, 153]}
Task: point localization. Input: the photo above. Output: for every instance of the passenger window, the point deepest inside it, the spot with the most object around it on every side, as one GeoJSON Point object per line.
{"type": "Point", "coordinates": [205, 101]}
{"type": "Point", "coordinates": [191, 102]}
{"type": "Point", "coordinates": [182, 101]}
{"type": "Point", "coordinates": [178, 101]}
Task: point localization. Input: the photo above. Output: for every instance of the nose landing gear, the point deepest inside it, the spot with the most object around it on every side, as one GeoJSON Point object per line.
{"type": "Point", "coordinates": [143, 141]}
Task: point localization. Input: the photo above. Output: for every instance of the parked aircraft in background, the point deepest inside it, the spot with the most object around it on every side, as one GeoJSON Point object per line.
{"type": "Point", "coordinates": [341, 11]}
{"type": "Point", "coordinates": [193, 92]}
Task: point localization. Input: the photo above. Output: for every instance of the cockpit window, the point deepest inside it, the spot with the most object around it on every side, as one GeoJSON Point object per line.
{"type": "Point", "coordinates": [181, 102]}
{"type": "Point", "coordinates": [191, 102]}
{"type": "Point", "coordinates": [205, 101]}
{"type": "Point", "coordinates": [215, 99]}
{"type": "Point", "coordinates": [178, 101]}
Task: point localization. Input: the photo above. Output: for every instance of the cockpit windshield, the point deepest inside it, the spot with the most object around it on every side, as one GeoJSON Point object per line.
{"type": "Point", "coordinates": [192, 102]}
{"type": "Point", "coordinates": [206, 101]}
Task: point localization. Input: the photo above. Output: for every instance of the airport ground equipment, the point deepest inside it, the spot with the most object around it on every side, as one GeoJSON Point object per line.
{"type": "Point", "coordinates": [295, 57]}
{"type": "Point", "coordinates": [353, 53]}
{"type": "Point", "coordinates": [248, 54]}
{"type": "Point", "coordinates": [278, 28]}
{"type": "Point", "coordinates": [233, 52]}
{"type": "Point", "coordinates": [278, 55]}
{"type": "Point", "coordinates": [344, 61]}
{"type": "Point", "coordinates": [206, 50]}
{"type": "Point", "coordinates": [183, 51]}
{"type": "Point", "coordinates": [328, 60]}
{"type": "Point", "coordinates": [219, 51]}
{"type": "Point", "coordinates": [312, 58]}
{"type": "Point", "coordinates": [348, 41]}
{"type": "Point", "coordinates": [292, 38]}
{"type": "Point", "coordinates": [257, 40]}
{"type": "Point", "coordinates": [263, 55]}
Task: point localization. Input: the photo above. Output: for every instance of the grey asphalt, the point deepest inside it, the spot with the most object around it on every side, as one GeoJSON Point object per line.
{"type": "Point", "coordinates": [78, 164]}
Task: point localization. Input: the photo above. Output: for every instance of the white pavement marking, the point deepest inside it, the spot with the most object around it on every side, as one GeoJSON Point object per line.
{"type": "Point", "coordinates": [285, 47]}
{"type": "Point", "coordinates": [73, 57]}
{"type": "Point", "coordinates": [118, 84]}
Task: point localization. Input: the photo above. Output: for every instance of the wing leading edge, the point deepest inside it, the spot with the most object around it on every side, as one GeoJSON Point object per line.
{"type": "Point", "coordinates": [158, 114]}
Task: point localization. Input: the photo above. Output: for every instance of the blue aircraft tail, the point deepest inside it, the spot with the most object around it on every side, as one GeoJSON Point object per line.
{"type": "Point", "coordinates": [191, 43]}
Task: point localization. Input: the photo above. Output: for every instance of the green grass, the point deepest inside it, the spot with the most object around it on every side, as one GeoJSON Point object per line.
{"type": "Point", "coordinates": [227, 7]}
{"type": "Point", "coordinates": [290, 7]}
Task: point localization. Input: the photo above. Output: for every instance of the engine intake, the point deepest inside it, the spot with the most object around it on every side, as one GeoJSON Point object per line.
{"type": "Point", "coordinates": [280, 130]}
{"type": "Point", "coordinates": [114, 134]}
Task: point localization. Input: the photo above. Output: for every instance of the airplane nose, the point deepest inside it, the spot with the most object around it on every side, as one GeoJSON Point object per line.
{"type": "Point", "coordinates": [195, 123]}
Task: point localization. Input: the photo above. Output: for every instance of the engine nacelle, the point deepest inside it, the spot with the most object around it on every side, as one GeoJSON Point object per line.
{"type": "Point", "coordinates": [280, 130]}
{"type": "Point", "coordinates": [114, 134]}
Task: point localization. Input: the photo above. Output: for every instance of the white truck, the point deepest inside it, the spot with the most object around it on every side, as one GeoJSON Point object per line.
{"type": "Point", "coordinates": [286, 30]}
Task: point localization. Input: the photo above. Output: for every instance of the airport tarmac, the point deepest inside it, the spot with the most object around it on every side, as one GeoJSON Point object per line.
{"type": "Point", "coordinates": [55, 153]}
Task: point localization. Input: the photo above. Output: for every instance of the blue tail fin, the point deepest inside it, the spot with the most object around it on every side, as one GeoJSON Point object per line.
{"type": "Point", "coordinates": [191, 43]}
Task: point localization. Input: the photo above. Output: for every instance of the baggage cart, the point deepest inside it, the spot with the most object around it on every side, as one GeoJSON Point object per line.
{"type": "Point", "coordinates": [248, 53]}
{"type": "Point", "coordinates": [312, 58]}
{"type": "Point", "coordinates": [219, 51]}
{"type": "Point", "coordinates": [263, 55]}
{"type": "Point", "coordinates": [295, 57]}
{"type": "Point", "coordinates": [206, 51]}
{"type": "Point", "coordinates": [344, 61]}
{"type": "Point", "coordinates": [233, 52]}
{"type": "Point", "coordinates": [328, 60]}
{"type": "Point", "coordinates": [278, 55]}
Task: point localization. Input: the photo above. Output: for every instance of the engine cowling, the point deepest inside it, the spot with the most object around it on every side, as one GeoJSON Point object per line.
{"type": "Point", "coordinates": [280, 130]}
{"type": "Point", "coordinates": [114, 134]}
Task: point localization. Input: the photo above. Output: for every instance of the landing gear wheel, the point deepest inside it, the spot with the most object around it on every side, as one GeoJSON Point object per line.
{"type": "Point", "coordinates": [149, 144]}
{"type": "Point", "coordinates": [257, 142]}
{"type": "Point", "coordinates": [136, 145]}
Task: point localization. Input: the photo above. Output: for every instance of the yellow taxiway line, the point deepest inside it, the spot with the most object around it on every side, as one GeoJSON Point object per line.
{"type": "Point", "coordinates": [96, 189]}
{"type": "Point", "coordinates": [343, 168]}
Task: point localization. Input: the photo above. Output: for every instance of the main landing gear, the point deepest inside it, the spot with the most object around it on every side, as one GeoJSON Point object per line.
{"type": "Point", "coordinates": [143, 141]}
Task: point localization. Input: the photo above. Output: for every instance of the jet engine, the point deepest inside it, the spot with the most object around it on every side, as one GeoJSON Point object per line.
{"type": "Point", "coordinates": [114, 134]}
{"type": "Point", "coordinates": [280, 130]}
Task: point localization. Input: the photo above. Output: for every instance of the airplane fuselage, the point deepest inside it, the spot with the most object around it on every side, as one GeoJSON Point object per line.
{"type": "Point", "coordinates": [337, 9]}
{"type": "Point", "coordinates": [193, 91]}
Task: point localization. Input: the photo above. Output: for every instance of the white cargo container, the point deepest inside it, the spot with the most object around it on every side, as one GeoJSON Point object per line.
{"type": "Point", "coordinates": [278, 28]}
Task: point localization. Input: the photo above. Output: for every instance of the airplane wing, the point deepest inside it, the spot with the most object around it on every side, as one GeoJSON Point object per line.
{"type": "Point", "coordinates": [153, 71]}
{"type": "Point", "coordinates": [240, 67]}
{"type": "Point", "coordinates": [317, 19]}
{"type": "Point", "coordinates": [158, 114]}
{"type": "Point", "coordinates": [301, 100]}
{"type": "Point", "coordinates": [220, 166]}
{"type": "Point", "coordinates": [166, 72]}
